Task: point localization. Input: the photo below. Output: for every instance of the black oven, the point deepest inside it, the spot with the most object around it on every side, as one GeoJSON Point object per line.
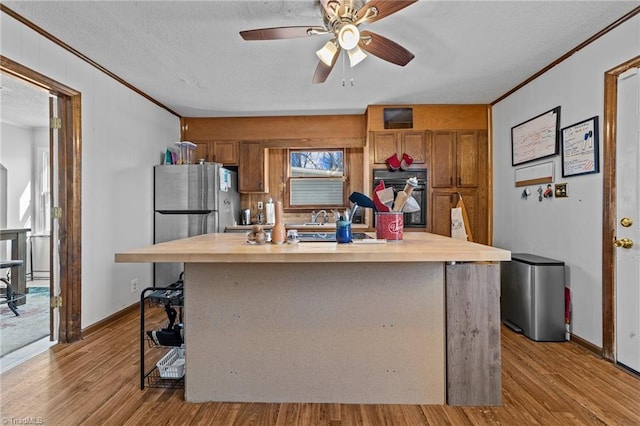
{"type": "Point", "coordinates": [397, 180]}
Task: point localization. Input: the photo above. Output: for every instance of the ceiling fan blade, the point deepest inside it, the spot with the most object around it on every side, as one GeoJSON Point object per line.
{"type": "Point", "coordinates": [384, 48]}
{"type": "Point", "coordinates": [385, 8]}
{"type": "Point", "coordinates": [281, 33]}
{"type": "Point", "coordinates": [323, 70]}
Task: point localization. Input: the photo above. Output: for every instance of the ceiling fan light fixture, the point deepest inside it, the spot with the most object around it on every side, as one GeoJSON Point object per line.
{"type": "Point", "coordinates": [327, 53]}
{"type": "Point", "coordinates": [356, 55]}
{"type": "Point", "coordinates": [348, 36]}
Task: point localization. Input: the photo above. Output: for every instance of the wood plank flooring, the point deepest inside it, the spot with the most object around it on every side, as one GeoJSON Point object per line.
{"type": "Point", "coordinates": [95, 382]}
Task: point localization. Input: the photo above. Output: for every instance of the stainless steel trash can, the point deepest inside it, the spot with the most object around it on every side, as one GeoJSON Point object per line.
{"type": "Point", "coordinates": [532, 296]}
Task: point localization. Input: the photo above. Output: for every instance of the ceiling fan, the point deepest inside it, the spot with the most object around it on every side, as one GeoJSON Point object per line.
{"type": "Point", "coordinates": [341, 21]}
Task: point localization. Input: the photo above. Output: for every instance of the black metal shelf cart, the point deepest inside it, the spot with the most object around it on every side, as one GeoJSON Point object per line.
{"type": "Point", "coordinates": [169, 338]}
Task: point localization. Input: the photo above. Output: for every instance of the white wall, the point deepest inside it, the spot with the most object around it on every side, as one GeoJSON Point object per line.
{"type": "Point", "coordinates": [16, 149]}
{"type": "Point", "coordinates": [123, 136]}
{"type": "Point", "coordinates": [19, 153]}
{"type": "Point", "coordinates": [15, 154]}
{"type": "Point", "coordinates": [567, 229]}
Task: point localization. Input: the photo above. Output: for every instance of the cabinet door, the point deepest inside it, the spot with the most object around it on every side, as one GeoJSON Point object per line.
{"type": "Point", "coordinates": [251, 167]}
{"type": "Point", "coordinates": [441, 204]}
{"type": "Point", "coordinates": [202, 151]}
{"type": "Point", "coordinates": [443, 165]}
{"type": "Point", "coordinates": [413, 144]}
{"type": "Point", "coordinates": [467, 157]}
{"type": "Point", "coordinates": [443, 201]}
{"type": "Point", "coordinates": [225, 152]}
{"type": "Point", "coordinates": [384, 146]}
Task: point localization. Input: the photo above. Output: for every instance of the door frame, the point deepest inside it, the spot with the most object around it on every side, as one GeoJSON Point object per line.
{"type": "Point", "coordinates": [69, 194]}
{"type": "Point", "coordinates": [609, 213]}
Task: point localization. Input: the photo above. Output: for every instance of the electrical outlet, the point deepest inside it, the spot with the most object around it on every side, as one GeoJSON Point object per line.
{"type": "Point", "coordinates": [134, 285]}
{"type": "Point", "coordinates": [259, 205]}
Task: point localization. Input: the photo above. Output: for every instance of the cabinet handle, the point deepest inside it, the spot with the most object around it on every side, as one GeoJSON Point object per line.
{"type": "Point", "coordinates": [459, 181]}
{"type": "Point", "coordinates": [451, 181]}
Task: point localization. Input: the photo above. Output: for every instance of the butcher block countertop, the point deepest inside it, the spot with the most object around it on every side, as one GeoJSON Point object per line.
{"type": "Point", "coordinates": [233, 248]}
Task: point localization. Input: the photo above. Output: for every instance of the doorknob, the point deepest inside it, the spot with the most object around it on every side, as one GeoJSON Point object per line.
{"type": "Point", "coordinates": [626, 222]}
{"type": "Point", "coordinates": [624, 243]}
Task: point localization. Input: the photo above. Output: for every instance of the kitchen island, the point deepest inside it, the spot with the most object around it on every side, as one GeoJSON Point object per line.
{"type": "Point", "coordinates": [413, 322]}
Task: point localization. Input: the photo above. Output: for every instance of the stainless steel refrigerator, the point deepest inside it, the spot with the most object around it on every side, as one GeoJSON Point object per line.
{"type": "Point", "coordinates": [191, 200]}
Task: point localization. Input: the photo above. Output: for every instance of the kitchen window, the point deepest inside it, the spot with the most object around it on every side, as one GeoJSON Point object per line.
{"type": "Point", "coordinates": [316, 178]}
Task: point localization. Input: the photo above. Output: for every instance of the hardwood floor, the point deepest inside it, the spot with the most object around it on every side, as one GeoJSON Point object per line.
{"type": "Point", "coordinates": [95, 382]}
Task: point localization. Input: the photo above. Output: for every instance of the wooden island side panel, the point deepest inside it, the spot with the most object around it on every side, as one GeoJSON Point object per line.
{"type": "Point", "coordinates": [473, 334]}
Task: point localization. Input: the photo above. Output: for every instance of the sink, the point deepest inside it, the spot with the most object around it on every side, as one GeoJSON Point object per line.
{"type": "Point", "coordinates": [329, 237]}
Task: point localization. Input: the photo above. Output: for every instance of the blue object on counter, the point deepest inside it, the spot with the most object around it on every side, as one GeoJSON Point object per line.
{"type": "Point", "coordinates": [343, 231]}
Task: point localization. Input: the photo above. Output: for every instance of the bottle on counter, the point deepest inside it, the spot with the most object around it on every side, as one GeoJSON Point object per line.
{"type": "Point", "coordinates": [270, 212]}
{"type": "Point", "coordinates": [343, 231]}
{"type": "Point", "coordinates": [278, 232]}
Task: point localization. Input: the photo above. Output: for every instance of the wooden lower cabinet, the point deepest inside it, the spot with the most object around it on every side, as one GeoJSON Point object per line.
{"type": "Point", "coordinates": [442, 201]}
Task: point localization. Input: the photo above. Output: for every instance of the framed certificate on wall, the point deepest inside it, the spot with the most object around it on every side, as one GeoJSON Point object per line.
{"type": "Point", "coordinates": [580, 151]}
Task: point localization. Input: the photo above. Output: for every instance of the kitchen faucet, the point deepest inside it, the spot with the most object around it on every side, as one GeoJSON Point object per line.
{"type": "Point", "coordinates": [314, 216]}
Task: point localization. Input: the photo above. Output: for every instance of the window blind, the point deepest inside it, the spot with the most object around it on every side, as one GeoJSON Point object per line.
{"type": "Point", "coordinates": [316, 191]}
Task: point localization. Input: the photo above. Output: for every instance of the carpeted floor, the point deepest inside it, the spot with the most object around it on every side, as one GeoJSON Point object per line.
{"type": "Point", "coordinates": [31, 325]}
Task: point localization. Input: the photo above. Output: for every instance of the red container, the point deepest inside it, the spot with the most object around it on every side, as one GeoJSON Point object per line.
{"type": "Point", "coordinates": [389, 226]}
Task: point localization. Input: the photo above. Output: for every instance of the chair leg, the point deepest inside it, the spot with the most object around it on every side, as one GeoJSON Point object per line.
{"type": "Point", "coordinates": [10, 302]}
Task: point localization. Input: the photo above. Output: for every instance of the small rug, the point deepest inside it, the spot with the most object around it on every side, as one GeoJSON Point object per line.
{"type": "Point", "coordinates": [31, 325]}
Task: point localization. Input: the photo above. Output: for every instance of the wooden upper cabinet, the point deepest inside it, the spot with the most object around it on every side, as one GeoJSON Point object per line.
{"type": "Point", "coordinates": [202, 151]}
{"type": "Point", "coordinates": [413, 144]}
{"type": "Point", "coordinates": [455, 159]}
{"type": "Point", "coordinates": [253, 167]}
{"type": "Point", "coordinates": [225, 152]}
{"type": "Point", "coordinates": [443, 163]}
{"type": "Point", "coordinates": [385, 144]}
{"type": "Point", "coordinates": [467, 159]}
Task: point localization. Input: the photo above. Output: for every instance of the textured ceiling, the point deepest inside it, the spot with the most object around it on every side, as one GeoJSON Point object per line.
{"type": "Point", "coordinates": [22, 104]}
{"type": "Point", "coordinates": [189, 56]}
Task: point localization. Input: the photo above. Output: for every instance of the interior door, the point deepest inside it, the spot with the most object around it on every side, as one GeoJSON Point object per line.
{"type": "Point", "coordinates": [627, 279]}
{"type": "Point", "coordinates": [54, 243]}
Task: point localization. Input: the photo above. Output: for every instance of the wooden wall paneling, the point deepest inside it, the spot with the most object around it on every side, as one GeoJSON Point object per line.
{"type": "Point", "coordinates": [278, 165]}
{"type": "Point", "coordinates": [327, 143]}
{"type": "Point", "coordinates": [356, 171]}
{"type": "Point", "coordinates": [277, 128]}
{"type": "Point", "coordinates": [434, 117]}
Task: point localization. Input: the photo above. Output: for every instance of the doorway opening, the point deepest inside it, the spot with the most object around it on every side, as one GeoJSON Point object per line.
{"type": "Point", "coordinates": [25, 224]}
{"type": "Point", "coordinates": [65, 197]}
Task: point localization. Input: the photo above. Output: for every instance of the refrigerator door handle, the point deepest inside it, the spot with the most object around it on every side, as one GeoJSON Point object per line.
{"type": "Point", "coordinates": [185, 211]}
